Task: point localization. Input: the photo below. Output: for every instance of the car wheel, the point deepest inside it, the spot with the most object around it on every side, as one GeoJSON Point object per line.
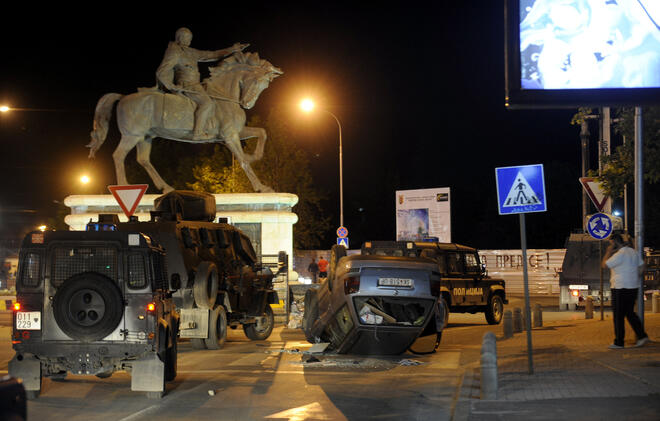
{"type": "Point", "coordinates": [261, 331]}
{"type": "Point", "coordinates": [494, 310]}
{"type": "Point", "coordinates": [336, 253]}
{"type": "Point", "coordinates": [88, 307]}
{"type": "Point", "coordinates": [311, 314]}
{"type": "Point", "coordinates": [217, 328]}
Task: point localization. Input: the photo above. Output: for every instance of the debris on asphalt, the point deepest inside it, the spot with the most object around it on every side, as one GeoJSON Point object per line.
{"type": "Point", "coordinates": [408, 362]}
{"type": "Point", "coordinates": [211, 392]}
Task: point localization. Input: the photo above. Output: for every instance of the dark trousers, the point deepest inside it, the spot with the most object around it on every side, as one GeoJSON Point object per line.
{"type": "Point", "coordinates": [623, 307]}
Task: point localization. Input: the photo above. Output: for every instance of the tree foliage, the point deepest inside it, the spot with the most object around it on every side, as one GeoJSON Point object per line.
{"type": "Point", "coordinates": [618, 168]}
{"type": "Point", "coordinates": [284, 168]}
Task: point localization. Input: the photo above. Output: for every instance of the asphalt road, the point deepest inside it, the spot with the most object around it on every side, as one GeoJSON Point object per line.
{"type": "Point", "coordinates": [271, 379]}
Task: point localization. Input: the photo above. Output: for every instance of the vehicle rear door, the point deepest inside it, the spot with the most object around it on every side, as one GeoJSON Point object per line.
{"type": "Point", "coordinates": [474, 294]}
{"type": "Point", "coordinates": [459, 283]}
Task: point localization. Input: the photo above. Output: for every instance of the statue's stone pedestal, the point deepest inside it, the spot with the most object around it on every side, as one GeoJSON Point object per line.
{"type": "Point", "coordinates": [266, 218]}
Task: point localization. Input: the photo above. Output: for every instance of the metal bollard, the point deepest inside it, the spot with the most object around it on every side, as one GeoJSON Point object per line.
{"type": "Point", "coordinates": [589, 308]}
{"type": "Point", "coordinates": [507, 324]}
{"type": "Point", "coordinates": [538, 316]}
{"type": "Point", "coordinates": [655, 302]}
{"type": "Point", "coordinates": [489, 367]}
{"type": "Point", "coordinates": [517, 320]}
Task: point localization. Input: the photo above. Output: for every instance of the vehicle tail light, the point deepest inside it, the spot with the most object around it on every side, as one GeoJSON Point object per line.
{"type": "Point", "coordinates": [151, 307]}
{"type": "Point", "coordinates": [351, 285]}
{"type": "Point", "coordinates": [17, 306]}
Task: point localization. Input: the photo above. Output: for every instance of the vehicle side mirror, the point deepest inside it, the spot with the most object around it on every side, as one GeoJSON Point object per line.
{"type": "Point", "coordinates": [175, 282]}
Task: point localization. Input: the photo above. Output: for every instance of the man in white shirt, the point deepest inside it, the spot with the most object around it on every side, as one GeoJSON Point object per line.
{"type": "Point", "coordinates": [626, 268]}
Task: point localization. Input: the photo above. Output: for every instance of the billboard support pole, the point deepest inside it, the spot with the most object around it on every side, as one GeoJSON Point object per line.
{"type": "Point", "coordinates": [528, 313]}
{"type": "Point", "coordinates": [639, 204]}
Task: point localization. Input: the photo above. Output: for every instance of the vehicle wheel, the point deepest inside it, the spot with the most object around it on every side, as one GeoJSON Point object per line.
{"type": "Point", "coordinates": [205, 286]}
{"type": "Point", "coordinates": [336, 253]}
{"type": "Point", "coordinates": [310, 315]}
{"type": "Point", "coordinates": [494, 310]}
{"type": "Point", "coordinates": [88, 307]}
{"type": "Point", "coordinates": [198, 343]}
{"type": "Point", "coordinates": [171, 358]}
{"type": "Point", "coordinates": [261, 331]}
{"type": "Point", "coordinates": [217, 328]}
{"type": "Point", "coordinates": [446, 316]}
{"type": "Point", "coordinates": [104, 375]}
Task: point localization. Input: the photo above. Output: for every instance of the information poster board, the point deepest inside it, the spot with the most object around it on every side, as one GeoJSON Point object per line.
{"type": "Point", "coordinates": [422, 214]}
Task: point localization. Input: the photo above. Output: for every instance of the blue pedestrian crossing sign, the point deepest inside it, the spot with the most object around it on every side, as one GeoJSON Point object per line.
{"type": "Point", "coordinates": [600, 226]}
{"type": "Point", "coordinates": [343, 242]}
{"type": "Point", "coordinates": [520, 189]}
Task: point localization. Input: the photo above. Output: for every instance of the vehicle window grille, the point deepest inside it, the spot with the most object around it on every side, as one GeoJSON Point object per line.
{"type": "Point", "coordinates": [69, 261]}
{"type": "Point", "coordinates": [137, 277]}
{"type": "Point", "coordinates": [160, 272]}
{"type": "Point", "coordinates": [31, 269]}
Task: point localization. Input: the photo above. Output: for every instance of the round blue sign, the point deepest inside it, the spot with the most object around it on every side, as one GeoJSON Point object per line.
{"type": "Point", "coordinates": [600, 226]}
{"type": "Point", "coordinates": [342, 232]}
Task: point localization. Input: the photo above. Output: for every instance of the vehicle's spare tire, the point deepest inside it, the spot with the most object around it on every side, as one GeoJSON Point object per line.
{"type": "Point", "coordinates": [205, 286]}
{"type": "Point", "coordinates": [88, 306]}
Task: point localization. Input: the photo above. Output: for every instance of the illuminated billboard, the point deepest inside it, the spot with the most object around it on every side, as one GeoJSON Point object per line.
{"type": "Point", "coordinates": [582, 52]}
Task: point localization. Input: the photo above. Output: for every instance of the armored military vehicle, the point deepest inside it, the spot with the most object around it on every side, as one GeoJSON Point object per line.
{"type": "Point", "coordinates": [94, 302]}
{"type": "Point", "coordinates": [222, 283]}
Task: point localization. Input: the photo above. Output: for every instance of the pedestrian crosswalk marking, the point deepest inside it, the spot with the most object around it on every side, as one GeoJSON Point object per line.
{"type": "Point", "coordinates": [521, 193]}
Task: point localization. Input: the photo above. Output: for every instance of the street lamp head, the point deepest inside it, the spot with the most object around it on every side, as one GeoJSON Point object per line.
{"type": "Point", "coordinates": [307, 105]}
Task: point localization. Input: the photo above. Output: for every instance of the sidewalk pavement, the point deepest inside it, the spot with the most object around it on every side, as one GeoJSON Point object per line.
{"type": "Point", "coordinates": [575, 375]}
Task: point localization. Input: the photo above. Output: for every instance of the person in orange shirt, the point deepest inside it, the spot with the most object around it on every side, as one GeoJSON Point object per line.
{"type": "Point", "coordinates": [323, 268]}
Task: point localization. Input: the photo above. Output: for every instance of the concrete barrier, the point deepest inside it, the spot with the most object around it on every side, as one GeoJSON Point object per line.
{"type": "Point", "coordinates": [589, 308]}
{"type": "Point", "coordinates": [517, 320]}
{"type": "Point", "coordinates": [489, 367]}
{"type": "Point", "coordinates": [538, 316]}
{"type": "Point", "coordinates": [507, 324]}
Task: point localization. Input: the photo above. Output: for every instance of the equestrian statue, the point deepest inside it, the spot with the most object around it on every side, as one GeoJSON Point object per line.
{"type": "Point", "coordinates": [185, 109]}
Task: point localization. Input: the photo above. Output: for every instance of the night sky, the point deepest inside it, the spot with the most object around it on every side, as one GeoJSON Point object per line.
{"type": "Point", "coordinates": [419, 91]}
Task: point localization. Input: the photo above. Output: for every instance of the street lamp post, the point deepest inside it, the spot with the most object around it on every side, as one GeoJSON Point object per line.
{"type": "Point", "coordinates": [308, 105]}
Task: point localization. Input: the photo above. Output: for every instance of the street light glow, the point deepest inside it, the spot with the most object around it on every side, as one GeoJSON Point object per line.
{"type": "Point", "coordinates": [84, 179]}
{"type": "Point", "coordinates": [307, 105]}
{"type": "Point", "coordinates": [42, 228]}
{"type": "Point", "coordinates": [4, 108]}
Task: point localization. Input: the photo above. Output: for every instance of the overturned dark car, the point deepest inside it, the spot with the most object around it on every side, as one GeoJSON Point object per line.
{"type": "Point", "coordinates": [376, 305]}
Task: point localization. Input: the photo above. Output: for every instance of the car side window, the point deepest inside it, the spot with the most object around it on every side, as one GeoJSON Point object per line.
{"type": "Point", "coordinates": [31, 270]}
{"type": "Point", "coordinates": [472, 263]}
{"type": "Point", "coordinates": [454, 263]}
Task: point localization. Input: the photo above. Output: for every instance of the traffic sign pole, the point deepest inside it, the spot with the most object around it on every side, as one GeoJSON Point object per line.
{"type": "Point", "coordinates": [520, 190]}
{"type": "Point", "coordinates": [528, 313]}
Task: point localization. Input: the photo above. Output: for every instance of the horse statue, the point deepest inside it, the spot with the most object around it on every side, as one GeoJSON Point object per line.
{"type": "Point", "coordinates": [148, 114]}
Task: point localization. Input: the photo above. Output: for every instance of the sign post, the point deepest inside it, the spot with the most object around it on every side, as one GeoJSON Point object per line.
{"type": "Point", "coordinates": [521, 190]}
{"type": "Point", "coordinates": [599, 227]}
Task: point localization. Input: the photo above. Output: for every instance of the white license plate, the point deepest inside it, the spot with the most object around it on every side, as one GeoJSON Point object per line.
{"type": "Point", "coordinates": [28, 320]}
{"type": "Point", "coordinates": [395, 282]}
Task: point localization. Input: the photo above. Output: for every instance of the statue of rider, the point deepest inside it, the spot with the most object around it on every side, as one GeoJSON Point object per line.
{"type": "Point", "coordinates": [178, 72]}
